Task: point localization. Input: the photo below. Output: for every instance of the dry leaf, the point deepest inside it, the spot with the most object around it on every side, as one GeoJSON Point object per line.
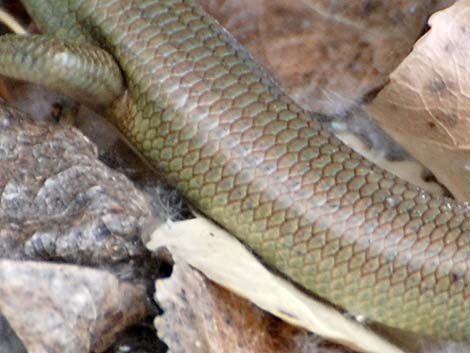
{"type": "Point", "coordinates": [323, 52]}
{"type": "Point", "coordinates": [227, 262]}
{"type": "Point", "coordinates": [67, 309]}
{"type": "Point", "coordinates": [426, 105]}
{"type": "Point", "coordinates": [201, 317]}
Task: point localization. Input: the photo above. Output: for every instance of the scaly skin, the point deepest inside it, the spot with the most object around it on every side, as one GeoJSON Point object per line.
{"type": "Point", "coordinates": [247, 156]}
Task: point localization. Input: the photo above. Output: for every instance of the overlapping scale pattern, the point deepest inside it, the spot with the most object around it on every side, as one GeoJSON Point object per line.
{"type": "Point", "coordinates": [214, 124]}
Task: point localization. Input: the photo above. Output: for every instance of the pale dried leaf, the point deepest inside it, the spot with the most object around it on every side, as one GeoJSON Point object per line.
{"type": "Point", "coordinates": [426, 105]}
{"type": "Point", "coordinates": [65, 308]}
{"type": "Point", "coordinates": [226, 261]}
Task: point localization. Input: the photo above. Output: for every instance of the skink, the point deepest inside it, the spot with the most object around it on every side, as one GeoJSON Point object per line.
{"type": "Point", "coordinates": [193, 103]}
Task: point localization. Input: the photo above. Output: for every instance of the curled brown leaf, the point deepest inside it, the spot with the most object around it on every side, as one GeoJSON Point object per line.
{"type": "Point", "coordinates": [426, 105]}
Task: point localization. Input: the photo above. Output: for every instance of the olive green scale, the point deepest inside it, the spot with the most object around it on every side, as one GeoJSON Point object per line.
{"type": "Point", "coordinates": [218, 128]}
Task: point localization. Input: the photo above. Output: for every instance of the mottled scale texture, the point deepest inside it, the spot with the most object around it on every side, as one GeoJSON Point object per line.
{"type": "Point", "coordinates": [246, 155]}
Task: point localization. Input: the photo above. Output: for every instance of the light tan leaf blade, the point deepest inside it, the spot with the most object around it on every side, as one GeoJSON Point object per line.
{"type": "Point", "coordinates": [227, 262]}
